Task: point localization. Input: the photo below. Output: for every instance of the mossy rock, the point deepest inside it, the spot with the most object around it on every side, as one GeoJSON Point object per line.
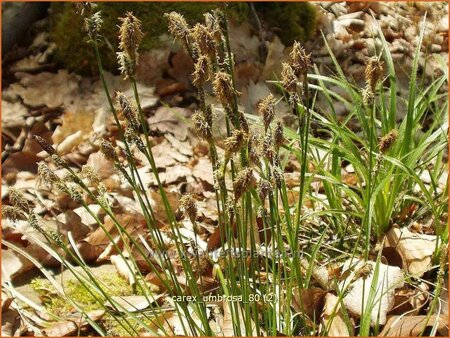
{"type": "Point", "coordinates": [73, 52]}
{"type": "Point", "coordinates": [90, 300]}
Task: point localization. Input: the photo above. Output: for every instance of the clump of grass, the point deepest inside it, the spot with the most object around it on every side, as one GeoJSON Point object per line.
{"type": "Point", "coordinates": [269, 245]}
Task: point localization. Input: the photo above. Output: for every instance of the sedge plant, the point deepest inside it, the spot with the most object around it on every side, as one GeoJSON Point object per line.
{"type": "Point", "coordinates": [269, 248]}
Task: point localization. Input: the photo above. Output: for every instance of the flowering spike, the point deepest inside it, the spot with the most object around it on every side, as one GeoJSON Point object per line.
{"type": "Point", "coordinates": [189, 207]}
{"type": "Point", "coordinates": [130, 35]}
{"type": "Point", "coordinates": [107, 149]}
{"type": "Point", "coordinates": [92, 25]}
{"type": "Point", "coordinates": [373, 73]}
{"type": "Point", "coordinates": [264, 189]}
{"type": "Point", "coordinates": [278, 136]}
{"type": "Point", "coordinates": [267, 109]}
{"type": "Point", "coordinates": [128, 110]}
{"type": "Point", "coordinates": [18, 200]}
{"type": "Point", "coordinates": [234, 143]}
{"type": "Point", "coordinates": [223, 88]}
{"type": "Point", "coordinates": [300, 60]}
{"type": "Point", "coordinates": [202, 71]}
{"type": "Point", "coordinates": [387, 140]}
{"type": "Point", "coordinates": [205, 40]}
{"type": "Point", "coordinates": [178, 26]}
{"type": "Point", "coordinates": [13, 213]}
{"type": "Point", "coordinates": [202, 127]}
{"type": "Point", "coordinates": [45, 145]}
{"type": "Point", "coordinates": [288, 78]}
{"type": "Point", "coordinates": [243, 182]}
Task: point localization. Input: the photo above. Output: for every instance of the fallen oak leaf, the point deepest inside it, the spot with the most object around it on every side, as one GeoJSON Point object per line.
{"type": "Point", "coordinates": [11, 323]}
{"type": "Point", "coordinates": [359, 286]}
{"type": "Point", "coordinates": [124, 269]}
{"type": "Point", "coordinates": [89, 252]}
{"type": "Point", "coordinates": [203, 171]}
{"type": "Point", "coordinates": [413, 326]}
{"type": "Point", "coordinates": [411, 300]}
{"type": "Point", "coordinates": [73, 123]}
{"type": "Point", "coordinates": [227, 328]}
{"type": "Point", "coordinates": [309, 301]}
{"type": "Point", "coordinates": [214, 241]}
{"type": "Point", "coordinates": [217, 238]}
{"type": "Point", "coordinates": [46, 89]}
{"type": "Point", "coordinates": [416, 250]}
{"type": "Point", "coordinates": [71, 327]}
{"type": "Point", "coordinates": [332, 318]}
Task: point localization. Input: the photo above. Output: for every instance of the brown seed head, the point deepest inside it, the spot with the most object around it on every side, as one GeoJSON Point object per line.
{"type": "Point", "coordinates": [202, 127]}
{"type": "Point", "coordinates": [373, 73]}
{"type": "Point", "coordinates": [178, 26]}
{"type": "Point", "coordinates": [300, 60]}
{"type": "Point", "coordinates": [288, 78]}
{"type": "Point", "coordinates": [278, 134]}
{"type": "Point", "coordinates": [264, 189]}
{"type": "Point", "coordinates": [209, 115]}
{"type": "Point", "coordinates": [13, 213]}
{"type": "Point", "coordinates": [18, 200]}
{"type": "Point", "coordinates": [243, 123]}
{"type": "Point", "coordinates": [107, 149]}
{"type": "Point", "coordinates": [278, 175]}
{"type": "Point", "coordinates": [266, 109]}
{"type": "Point", "coordinates": [223, 88]}
{"type": "Point", "coordinates": [387, 140]}
{"type": "Point", "coordinates": [243, 181]}
{"type": "Point", "coordinates": [45, 145]}
{"type": "Point", "coordinates": [205, 40]}
{"type": "Point", "coordinates": [202, 71]}
{"type": "Point", "coordinates": [234, 143]}
{"type": "Point", "coordinates": [130, 35]}
{"type": "Point", "coordinates": [254, 147]}
{"type": "Point", "coordinates": [128, 110]}
{"type": "Point", "coordinates": [267, 147]}
{"type": "Point", "coordinates": [189, 207]}
{"type": "Point", "coordinates": [229, 206]}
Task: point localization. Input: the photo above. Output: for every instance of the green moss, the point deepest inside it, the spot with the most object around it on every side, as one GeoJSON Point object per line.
{"type": "Point", "coordinates": [295, 20]}
{"type": "Point", "coordinates": [66, 29]}
{"type": "Point", "coordinates": [292, 21]}
{"type": "Point", "coordinates": [113, 284]}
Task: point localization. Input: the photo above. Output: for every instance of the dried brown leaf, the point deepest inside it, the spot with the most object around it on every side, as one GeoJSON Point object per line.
{"type": "Point", "coordinates": [359, 286]}
{"type": "Point", "coordinates": [413, 326]}
{"type": "Point", "coordinates": [309, 301]}
{"type": "Point", "coordinates": [333, 319]}
{"type": "Point", "coordinates": [416, 250]}
{"type": "Point", "coordinates": [71, 327]}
